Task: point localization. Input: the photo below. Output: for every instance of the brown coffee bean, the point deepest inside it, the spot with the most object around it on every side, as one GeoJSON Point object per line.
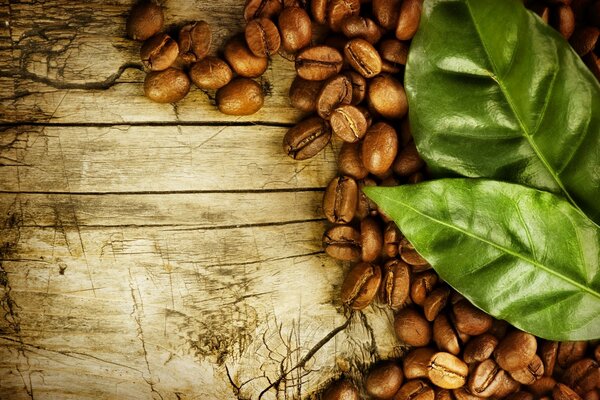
{"type": "Point", "coordinates": [363, 57]}
{"type": "Point", "coordinates": [394, 51]}
{"type": "Point", "coordinates": [410, 255]}
{"type": "Point", "coordinates": [470, 319]}
{"type": "Point", "coordinates": [241, 96]}
{"type": "Point", "coordinates": [262, 37]}
{"type": "Point", "coordinates": [262, 9]}
{"type": "Point", "coordinates": [145, 20]}
{"type": "Point", "coordinates": [296, 29]}
{"type": "Point", "coordinates": [412, 328]}
{"type": "Point", "coordinates": [435, 302]}
{"type": "Point", "coordinates": [306, 139]}
{"type": "Point", "coordinates": [480, 348]}
{"type": "Point", "coordinates": [417, 177]}
{"type": "Point", "coordinates": [350, 163]}
{"type": "Point", "coordinates": [507, 386]}
{"type": "Point", "coordinates": [548, 354]}
{"type": "Point", "coordinates": [515, 351]}
{"type": "Point", "coordinates": [339, 10]}
{"type": "Point", "coordinates": [348, 123]}
{"type": "Point", "coordinates": [443, 394]}
{"type": "Point", "coordinates": [342, 242]}
{"type": "Point", "coordinates": [318, 8]}
{"type": "Point", "coordinates": [597, 353]}
{"type": "Point", "coordinates": [416, 361]}
{"type": "Point", "coordinates": [211, 73]}
{"type": "Point", "coordinates": [361, 285]}
{"type": "Point", "coordinates": [569, 352]}
{"type": "Point", "coordinates": [336, 91]}
{"type": "Point", "coordinates": [168, 86]}
{"type": "Point", "coordinates": [356, 26]}
{"type": "Point", "coordinates": [359, 86]}
{"type": "Point", "coordinates": [408, 161]}
{"type": "Point", "coordinates": [409, 18]}
{"type": "Point", "coordinates": [341, 390]}
{"type": "Point", "coordinates": [387, 97]}
{"type": "Point", "coordinates": [563, 392]}
{"type": "Point", "coordinates": [444, 335]}
{"type": "Point", "coordinates": [584, 39]}
{"type": "Point", "coordinates": [318, 63]}
{"type": "Point", "coordinates": [242, 60]}
{"type": "Point", "coordinates": [389, 68]}
{"type": "Point", "coordinates": [379, 148]}
{"type": "Point", "coordinates": [391, 239]}
{"type": "Point", "coordinates": [564, 21]}
{"type": "Point", "coordinates": [447, 371]}
{"type": "Point", "coordinates": [529, 374]}
{"type": "Point", "coordinates": [422, 285]}
{"type": "Point", "coordinates": [583, 376]}
{"type": "Point", "coordinates": [195, 39]}
{"type": "Point", "coordinates": [542, 386]}
{"type": "Point", "coordinates": [521, 396]}
{"type": "Point", "coordinates": [464, 394]}
{"type": "Point", "coordinates": [339, 200]}
{"type": "Point", "coordinates": [303, 94]}
{"type": "Point", "coordinates": [592, 395]}
{"type": "Point", "coordinates": [365, 206]}
{"type": "Point", "coordinates": [371, 237]}
{"type": "Point", "coordinates": [159, 52]}
{"type": "Point", "coordinates": [415, 390]}
{"type": "Point", "coordinates": [386, 12]}
{"type": "Point", "coordinates": [485, 379]}
{"type": "Point", "coordinates": [395, 286]}
{"type": "Point", "coordinates": [384, 380]}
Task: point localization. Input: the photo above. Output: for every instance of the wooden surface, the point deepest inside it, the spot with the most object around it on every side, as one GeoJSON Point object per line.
{"type": "Point", "coordinates": [158, 251]}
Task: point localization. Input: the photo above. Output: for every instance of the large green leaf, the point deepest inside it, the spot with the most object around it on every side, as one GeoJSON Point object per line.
{"type": "Point", "coordinates": [522, 255]}
{"type": "Point", "coordinates": [496, 93]}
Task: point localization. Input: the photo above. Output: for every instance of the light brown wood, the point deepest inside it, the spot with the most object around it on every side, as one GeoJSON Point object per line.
{"type": "Point", "coordinates": [158, 251]}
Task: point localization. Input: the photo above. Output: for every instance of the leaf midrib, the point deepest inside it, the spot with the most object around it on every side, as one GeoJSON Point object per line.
{"type": "Point", "coordinates": [500, 247]}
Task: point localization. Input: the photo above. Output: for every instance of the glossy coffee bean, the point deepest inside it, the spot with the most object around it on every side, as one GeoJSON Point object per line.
{"type": "Point", "coordinates": [361, 285]}
{"type": "Point", "coordinates": [542, 386]}
{"type": "Point", "coordinates": [507, 387]}
{"type": "Point", "coordinates": [365, 206]}
{"type": "Point", "coordinates": [336, 91]}
{"type": "Point", "coordinates": [584, 39]}
{"type": "Point", "coordinates": [371, 238]}
{"type": "Point", "coordinates": [159, 52]}
{"type": "Point", "coordinates": [195, 40]}
{"type": "Point", "coordinates": [384, 380]}
{"type": "Point", "coordinates": [318, 63]}
{"type": "Point", "coordinates": [342, 242]}
{"type": "Point", "coordinates": [416, 362]}
{"type": "Point", "coordinates": [583, 376]}
{"type": "Point", "coordinates": [387, 97]}
{"type": "Point", "coordinates": [444, 335]}
{"type": "Point", "coordinates": [391, 239]}
{"type": "Point", "coordinates": [394, 51]}
{"type": "Point", "coordinates": [447, 371]}
{"type": "Point", "coordinates": [262, 37]}
{"type": "Point", "coordinates": [548, 353]}
{"type": "Point", "coordinates": [486, 378]}
{"type": "Point", "coordinates": [480, 348]}
{"type": "Point", "coordinates": [415, 390]}
{"type": "Point", "coordinates": [412, 328]}
{"type": "Point", "coordinates": [303, 94]}
{"type": "Point", "coordinates": [470, 319]}
{"type": "Point", "coordinates": [211, 73]}
{"type": "Point", "coordinates": [242, 60]}
{"type": "Point", "coordinates": [531, 373]}
{"type": "Point", "coordinates": [379, 148]}
{"type": "Point", "coordinates": [564, 21]}
{"type": "Point", "coordinates": [348, 123]}
{"type": "Point", "coordinates": [359, 86]}
{"type": "Point", "coordinates": [145, 20]}
{"type": "Point", "coordinates": [408, 161]}
{"type": "Point", "coordinates": [241, 96]}
{"type": "Point", "coordinates": [422, 284]}
{"type": "Point", "coordinates": [262, 9]}
{"type": "Point", "coordinates": [306, 139]}
{"type": "Point", "coordinates": [597, 353]}
{"type": "Point", "coordinates": [386, 12]}
{"type": "Point", "coordinates": [295, 28]}
{"type": "Point", "coordinates": [350, 162]}
{"type": "Point", "coordinates": [362, 27]}
{"type": "Point", "coordinates": [443, 394]}
{"type": "Point", "coordinates": [341, 390]}
{"type": "Point", "coordinates": [570, 352]}
{"type": "Point", "coordinates": [395, 285]}
{"type": "Point", "coordinates": [521, 396]}
{"type": "Point", "coordinates": [318, 9]}
{"type": "Point", "coordinates": [563, 392]}
{"type": "Point", "coordinates": [515, 351]}
{"type": "Point", "coordinates": [339, 200]}
{"type": "Point", "coordinates": [435, 302]}
{"type": "Point", "coordinates": [363, 57]}
{"type": "Point", "coordinates": [464, 394]}
{"type": "Point", "coordinates": [411, 256]}
{"type": "Point", "coordinates": [592, 395]}
{"type": "Point", "coordinates": [339, 10]}
{"type": "Point", "coordinates": [409, 18]}
{"type": "Point", "coordinates": [168, 86]}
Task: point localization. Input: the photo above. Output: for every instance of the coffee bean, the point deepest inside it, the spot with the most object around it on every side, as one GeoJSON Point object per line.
{"type": "Point", "coordinates": [444, 335]}
{"type": "Point", "coordinates": [168, 86]}
{"type": "Point", "coordinates": [443, 394]}
{"type": "Point", "coordinates": [356, 26]}
{"type": "Point", "coordinates": [470, 319]}
{"type": "Point", "coordinates": [389, 68]}
{"type": "Point", "coordinates": [417, 177]}
{"type": "Point", "coordinates": [359, 86]}
{"type": "Point", "coordinates": [464, 394]}
{"type": "Point", "coordinates": [363, 57]}
{"type": "Point", "coordinates": [336, 91]}
{"type": "Point", "coordinates": [339, 200]}
{"type": "Point", "coordinates": [583, 376]}
{"type": "Point", "coordinates": [435, 302]}
{"type": "Point", "coordinates": [412, 328]}
{"type": "Point", "coordinates": [387, 97]}
{"type": "Point", "coordinates": [521, 396]}
{"type": "Point", "coordinates": [391, 239]}
{"type": "Point", "coordinates": [408, 161]}
{"type": "Point", "coordinates": [542, 386]}
{"type": "Point", "coordinates": [447, 371]}
{"type": "Point", "coordinates": [211, 73]}
{"type": "Point", "coordinates": [486, 378]}
{"type": "Point", "coordinates": [415, 390]}
{"type": "Point", "coordinates": [303, 94]}
{"type": "Point", "coordinates": [242, 60]}
{"type": "Point", "coordinates": [341, 390]}
{"type": "Point", "coordinates": [563, 392]}
{"type": "Point", "coordinates": [159, 52]}
{"type": "Point", "coordinates": [411, 256]}
{"type": "Point", "coordinates": [393, 51]}
{"type": "Point", "coordinates": [348, 123]}
{"type": "Point", "coordinates": [371, 238]}
{"type": "Point", "coordinates": [361, 285]}
{"type": "Point", "coordinates": [422, 285]}
{"type": "Point", "coordinates": [569, 352]}
{"type": "Point", "coordinates": [295, 27]}
{"type": "Point", "coordinates": [145, 20]}
{"type": "Point", "coordinates": [241, 96]}
{"type": "Point", "coordinates": [384, 380]}
{"type": "Point", "coordinates": [339, 10]}
{"type": "Point", "coordinates": [548, 354]}
{"type": "Point", "coordinates": [515, 351]}
{"type": "Point", "coordinates": [262, 37]}
{"type": "Point", "coordinates": [366, 206]}
{"type": "Point", "coordinates": [507, 386]}
{"type": "Point", "coordinates": [597, 353]}
{"type": "Point", "coordinates": [318, 8]}
{"type": "Point", "coordinates": [379, 148]}
{"type": "Point", "coordinates": [408, 20]}
{"type": "Point", "coordinates": [306, 139]}
{"type": "Point", "coordinates": [350, 163]}
{"type": "Point", "coordinates": [529, 374]}
{"type": "Point", "coordinates": [262, 9]}
{"type": "Point", "coordinates": [584, 39]}
{"type": "Point", "coordinates": [416, 361]}
{"type": "Point", "coordinates": [395, 286]}
{"type": "Point", "coordinates": [318, 63]}
{"type": "Point", "coordinates": [386, 12]}
{"type": "Point", "coordinates": [342, 242]}
{"type": "Point", "coordinates": [480, 348]}
{"type": "Point", "coordinates": [195, 40]}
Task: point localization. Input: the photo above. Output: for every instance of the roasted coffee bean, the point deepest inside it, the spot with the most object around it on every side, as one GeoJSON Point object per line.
{"type": "Point", "coordinates": [408, 20]}
{"type": "Point", "coordinates": [412, 328]}
{"type": "Point", "coordinates": [597, 353]}
{"type": "Point", "coordinates": [348, 123]}
{"type": "Point", "coordinates": [262, 37]}
{"type": "Point", "coordinates": [583, 375]}
{"type": "Point", "coordinates": [359, 86]}
{"type": "Point", "coordinates": [318, 63]}
{"type": "Point", "coordinates": [486, 378]}
{"type": "Point", "coordinates": [159, 52]}
{"type": "Point", "coordinates": [339, 200]}
{"type": "Point", "coordinates": [415, 390]}
{"type": "Point", "coordinates": [480, 348]}
{"type": "Point", "coordinates": [507, 386]}
{"type": "Point", "coordinates": [296, 29]}
{"type": "Point", "coordinates": [365, 206]}
{"type": "Point", "coordinates": [356, 26]}
{"type": "Point", "coordinates": [542, 386]}
{"type": "Point", "coordinates": [371, 238]}
{"type": "Point", "coordinates": [339, 10]}
{"type": "Point", "coordinates": [416, 361]}
{"type": "Point", "coordinates": [242, 60]}
{"type": "Point", "coordinates": [386, 12]}
{"type": "Point", "coordinates": [387, 97]}
{"type": "Point", "coordinates": [529, 374]}
{"type": "Point", "coordinates": [422, 284]}
{"type": "Point", "coordinates": [318, 8]}
{"type": "Point", "coordinates": [306, 139]}
{"type": "Point", "coordinates": [195, 40]}
{"type": "Point", "coordinates": [584, 39]}
{"type": "Point", "coordinates": [241, 96]}
{"type": "Point", "coordinates": [391, 239]}
{"type": "Point", "coordinates": [417, 177]}
{"type": "Point", "coordinates": [411, 256]}
{"type": "Point", "coordinates": [408, 161]}
{"type": "Point", "coordinates": [395, 286]}
{"type": "Point", "coordinates": [563, 392]}
{"type": "Point", "coordinates": [262, 9]}
{"type": "Point", "coordinates": [350, 162]}
{"type": "Point", "coordinates": [384, 380]}
{"type": "Point", "coordinates": [521, 396]}
{"type": "Point", "coordinates": [336, 91]}
{"type": "Point", "coordinates": [303, 94]}
{"type": "Point", "coordinates": [211, 73]}
{"type": "Point", "coordinates": [444, 335]}
{"type": "Point", "coordinates": [361, 285]}
{"type": "Point", "coordinates": [389, 68]}
{"type": "Point", "coordinates": [379, 148]}
{"type": "Point", "coordinates": [569, 352]}
{"type": "Point", "coordinates": [515, 351]}
{"type": "Point", "coordinates": [342, 242]}
{"type": "Point", "coordinates": [435, 302]}
{"type": "Point", "coordinates": [464, 394]}
{"type": "Point", "coordinates": [363, 57]}
{"type": "Point", "coordinates": [470, 319]}
{"type": "Point", "coordinates": [341, 390]}
{"type": "Point", "coordinates": [548, 354]}
{"type": "Point", "coordinates": [443, 394]}
{"type": "Point", "coordinates": [145, 20]}
{"type": "Point", "coordinates": [166, 86]}
{"type": "Point", "coordinates": [393, 51]}
{"type": "Point", "coordinates": [564, 21]}
{"type": "Point", "coordinates": [447, 371]}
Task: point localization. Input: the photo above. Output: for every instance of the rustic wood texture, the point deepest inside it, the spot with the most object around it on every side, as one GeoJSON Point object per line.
{"type": "Point", "coordinates": [158, 251]}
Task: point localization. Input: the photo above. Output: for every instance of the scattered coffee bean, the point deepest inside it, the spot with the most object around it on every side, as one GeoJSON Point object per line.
{"type": "Point", "coordinates": [371, 237]}
{"type": "Point", "coordinates": [339, 201]}
{"type": "Point", "coordinates": [318, 63]}
{"type": "Point", "coordinates": [336, 91]}
{"type": "Point", "coordinates": [350, 163]}
{"type": "Point", "coordinates": [391, 239]}
{"type": "Point", "coordinates": [262, 37]}
{"type": "Point", "coordinates": [145, 20]}
{"type": "Point", "coordinates": [295, 27]}
{"type": "Point", "coordinates": [362, 27]}
{"type": "Point", "coordinates": [411, 256]}
{"type": "Point", "coordinates": [486, 378]}
{"type": "Point", "coordinates": [444, 335]}
{"type": "Point", "coordinates": [408, 161]}
{"type": "Point", "coordinates": [341, 390]}
{"type": "Point", "coordinates": [342, 242]}
{"type": "Point", "coordinates": [159, 52]}
{"type": "Point", "coordinates": [241, 96]}
{"type": "Point", "coordinates": [416, 362]}
{"type": "Point", "coordinates": [168, 86]}
{"type": "Point", "coordinates": [480, 348]}
{"type": "Point", "coordinates": [470, 319]}
{"type": "Point", "coordinates": [583, 375]}
{"type": "Point", "coordinates": [447, 371]}
{"type": "Point", "coordinates": [394, 51]}
{"type": "Point", "coordinates": [384, 380]}
{"type": "Point", "coordinates": [195, 40]}
{"type": "Point", "coordinates": [379, 149]}
{"type": "Point", "coordinates": [409, 18]}
{"type": "Point", "coordinates": [307, 138]}
{"type": "Point", "coordinates": [365, 206]}
{"type": "Point", "coordinates": [395, 286]}
{"type": "Point", "coordinates": [262, 9]}
{"type": "Point", "coordinates": [515, 351]}
{"type": "Point", "coordinates": [363, 57]}
{"type": "Point", "coordinates": [211, 73]}
{"type": "Point", "coordinates": [548, 354]}
{"type": "Point", "coordinates": [348, 123]}
{"type": "Point", "coordinates": [242, 60]}
{"type": "Point", "coordinates": [529, 374]}
{"type": "Point", "coordinates": [563, 392]}
{"type": "Point", "coordinates": [415, 390]}
{"type": "Point", "coordinates": [303, 94]}
{"type": "Point", "coordinates": [412, 328]}
{"type": "Point", "coordinates": [387, 97]}
{"type": "Point", "coordinates": [359, 86]}
{"type": "Point", "coordinates": [570, 352]}
{"type": "Point", "coordinates": [361, 285]}
{"type": "Point", "coordinates": [339, 10]}
{"type": "Point", "coordinates": [386, 12]}
{"type": "Point", "coordinates": [422, 285]}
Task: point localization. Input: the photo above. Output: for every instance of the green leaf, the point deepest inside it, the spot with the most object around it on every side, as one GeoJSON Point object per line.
{"type": "Point", "coordinates": [520, 254]}
{"type": "Point", "coordinates": [496, 93]}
